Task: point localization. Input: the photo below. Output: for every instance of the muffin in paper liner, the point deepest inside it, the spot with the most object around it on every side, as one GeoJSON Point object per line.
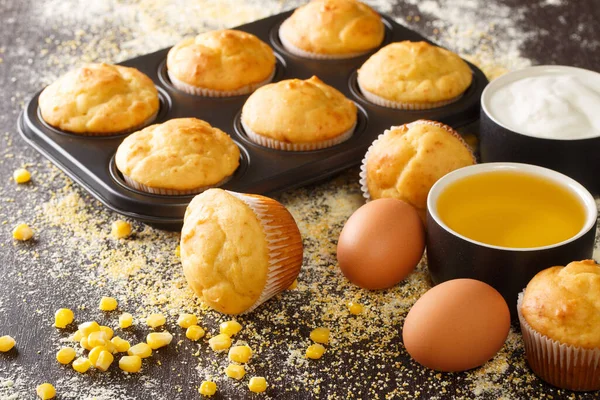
{"type": "Point", "coordinates": [380, 101]}
{"type": "Point", "coordinates": [315, 56]}
{"type": "Point", "coordinates": [284, 244]}
{"type": "Point", "coordinates": [170, 192]}
{"type": "Point", "coordinates": [136, 128]}
{"type": "Point", "coordinates": [308, 146]}
{"type": "Point", "coordinates": [200, 91]}
{"type": "Point", "coordinates": [561, 365]}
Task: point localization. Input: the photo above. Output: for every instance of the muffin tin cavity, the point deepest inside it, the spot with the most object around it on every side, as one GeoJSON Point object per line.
{"type": "Point", "coordinates": [89, 160]}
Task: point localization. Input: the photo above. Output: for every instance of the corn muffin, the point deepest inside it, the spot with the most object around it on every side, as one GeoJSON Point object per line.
{"type": "Point", "coordinates": [239, 250]}
{"type": "Point", "coordinates": [332, 29]}
{"type": "Point", "coordinates": [414, 76]}
{"type": "Point", "coordinates": [298, 115]}
{"type": "Point", "coordinates": [180, 156]}
{"type": "Point", "coordinates": [100, 100]}
{"type": "Point", "coordinates": [220, 63]}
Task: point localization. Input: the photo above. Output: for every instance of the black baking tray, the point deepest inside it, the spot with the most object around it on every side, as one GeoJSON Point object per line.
{"type": "Point", "coordinates": [90, 160]}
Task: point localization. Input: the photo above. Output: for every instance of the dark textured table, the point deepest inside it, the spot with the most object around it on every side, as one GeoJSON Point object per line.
{"type": "Point", "coordinates": [72, 260]}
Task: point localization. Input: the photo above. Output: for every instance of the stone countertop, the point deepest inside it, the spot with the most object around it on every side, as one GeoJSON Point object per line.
{"type": "Point", "coordinates": [73, 261]}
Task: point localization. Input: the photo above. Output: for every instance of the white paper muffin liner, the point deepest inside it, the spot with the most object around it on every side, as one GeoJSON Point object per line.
{"type": "Point", "coordinates": [170, 192]}
{"type": "Point", "coordinates": [136, 128]}
{"type": "Point", "coordinates": [380, 101]}
{"type": "Point", "coordinates": [280, 145]}
{"type": "Point", "coordinates": [559, 364]}
{"type": "Point", "coordinates": [284, 260]}
{"type": "Point", "coordinates": [199, 91]}
{"type": "Point", "coordinates": [297, 51]}
{"type": "Point", "coordinates": [363, 166]}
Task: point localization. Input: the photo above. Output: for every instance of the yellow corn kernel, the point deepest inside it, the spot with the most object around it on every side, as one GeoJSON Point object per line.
{"type": "Point", "coordinates": [65, 355]}
{"type": "Point", "coordinates": [156, 340]}
{"type": "Point", "coordinates": [240, 354]}
{"type": "Point", "coordinates": [95, 352]}
{"type": "Point", "coordinates": [21, 175]}
{"type": "Point", "coordinates": [355, 308]}
{"type": "Point", "coordinates": [120, 229]}
{"type": "Point", "coordinates": [108, 332]}
{"type": "Point", "coordinates": [22, 232]}
{"type": "Point", "coordinates": [6, 343]}
{"type": "Point", "coordinates": [63, 317]}
{"type": "Point", "coordinates": [230, 327]}
{"type": "Point", "coordinates": [88, 327]}
{"type": "Point", "coordinates": [125, 320]}
{"type": "Point", "coordinates": [141, 349]}
{"type": "Point", "coordinates": [315, 351]}
{"type": "Point", "coordinates": [194, 332]}
{"type": "Point", "coordinates": [110, 347]}
{"type": "Point", "coordinates": [220, 342]}
{"type": "Point", "coordinates": [178, 251]}
{"type": "Point", "coordinates": [156, 320]}
{"type": "Point", "coordinates": [121, 345]}
{"type": "Point", "coordinates": [294, 285]}
{"type": "Point", "coordinates": [104, 360]}
{"type": "Point", "coordinates": [235, 371]}
{"type": "Point", "coordinates": [82, 365]}
{"type": "Point", "coordinates": [96, 339]}
{"type": "Point", "coordinates": [76, 336]}
{"type": "Point", "coordinates": [208, 388]}
{"type": "Point", "coordinates": [130, 363]}
{"type": "Point", "coordinates": [84, 343]}
{"type": "Point", "coordinates": [320, 335]}
{"type": "Point", "coordinates": [45, 391]}
{"type": "Point", "coordinates": [187, 320]}
{"type": "Point", "coordinates": [257, 384]}
{"type": "Point", "coordinates": [108, 304]}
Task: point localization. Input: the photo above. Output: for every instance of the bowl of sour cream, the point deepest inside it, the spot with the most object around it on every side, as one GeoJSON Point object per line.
{"type": "Point", "coordinates": [547, 116]}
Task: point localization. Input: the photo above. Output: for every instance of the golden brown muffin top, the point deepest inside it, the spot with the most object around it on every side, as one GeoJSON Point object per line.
{"type": "Point", "coordinates": [224, 251]}
{"type": "Point", "coordinates": [415, 72]}
{"type": "Point", "coordinates": [297, 111]}
{"type": "Point", "coordinates": [99, 98]}
{"type": "Point", "coordinates": [180, 154]}
{"type": "Point", "coordinates": [563, 303]}
{"type": "Point", "coordinates": [334, 27]}
{"type": "Point", "coordinates": [407, 160]}
{"type": "Point", "coordinates": [221, 60]}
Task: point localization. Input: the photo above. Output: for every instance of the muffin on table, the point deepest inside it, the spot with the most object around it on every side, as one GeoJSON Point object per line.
{"type": "Point", "coordinates": [414, 76]}
{"type": "Point", "coordinates": [298, 115]}
{"type": "Point", "coordinates": [178, 157]}
{"type": "Point", "coordinates": [220, 63]}
{"type": "Point", "coordinates": [332, 29]}
{"type": "Point", "coordinates": [559, 314]}
{"type": "Point", "coordinates": [239, 250]}
{"type": "Point", "coordinates": [405, 161]}
{"type": "Point", "coordinates": [100, 100]}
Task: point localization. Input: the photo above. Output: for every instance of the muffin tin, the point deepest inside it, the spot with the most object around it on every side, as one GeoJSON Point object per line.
{"type": "Point", "coordinates": [90, 160]}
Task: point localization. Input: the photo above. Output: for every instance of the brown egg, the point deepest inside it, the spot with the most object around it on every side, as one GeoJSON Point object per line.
{"type": "Point", "coordinates": [457, 325]}
{"type": "Point", "coordinates": [381, 243]}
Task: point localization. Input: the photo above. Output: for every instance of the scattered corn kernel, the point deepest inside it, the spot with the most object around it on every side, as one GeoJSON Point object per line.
{"type": "Point", "coordinates": [294, 285]}
{"type": "Point", "coordinates": [65, 355]}
{"type": "Point", "coordinates": [104, 360]}
{"type": "Point", "coordinates": [178, 251]}
{"type": "Point", "coordinates": [130, 363]}
{"type": "Point", "coordinates": [187, 320]}
{"type": "Point", "coordinates": [230, 327]}
{"type": "Point", "coordinates": [63, 317]}
{"type": "Point", "coordinates": [45, 391]}
{"type": "Point", "coordinates": [88, 327]}
{"type": "Point", "coordinates": [82, 365]}
{"type": "Point", "coordinates": [84, 343]}
{"type": "Point", "coordinates": [315, 351]}
{"type": "Point", "coordinates": [156, 320]}
{"type": "Point", "coordinates": [95, 353]}
{"type": "Point", "coordinates": [121, 345]}
{"type": "Point", "coordinates": [125, 320]}
{"type": "Point", "coordinates": [257, 384]}
{"type": "Point", "coordinates": [108, 304]}
{"type": "Point", "coordinates": [320, 335]}
{"type": "Point", "coordinates": [240, 354]}
{"type": "Point", "coordinates": [156, 340]}
{"type": "Point", "coordinates": [107, 331]}
{"type": "Point", "coordinates": [97, 339]}
{"type": "Point", "coordinates": [220, 342]}
{"type": "Point", "coordinates": [141, 349]}
{"type": "Point", "coordinates": [235, 371]}
{"type": "Point", "coordinates": [21, 175]}
{"type": "Point", "coordinates": [355, 308]}
{"type": "Point", "coordinates": [194, 332]}
{"type": "Point", "coordinates": [120, 229]}
{"type": "Point", "coordinates": [6, 343]}
{"type": "Point", "coordinates": [77, 336]}
{"type": "Point", "coordinates": [208, 388]}
{"type": "Point", "coordinates": [22, 232]}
